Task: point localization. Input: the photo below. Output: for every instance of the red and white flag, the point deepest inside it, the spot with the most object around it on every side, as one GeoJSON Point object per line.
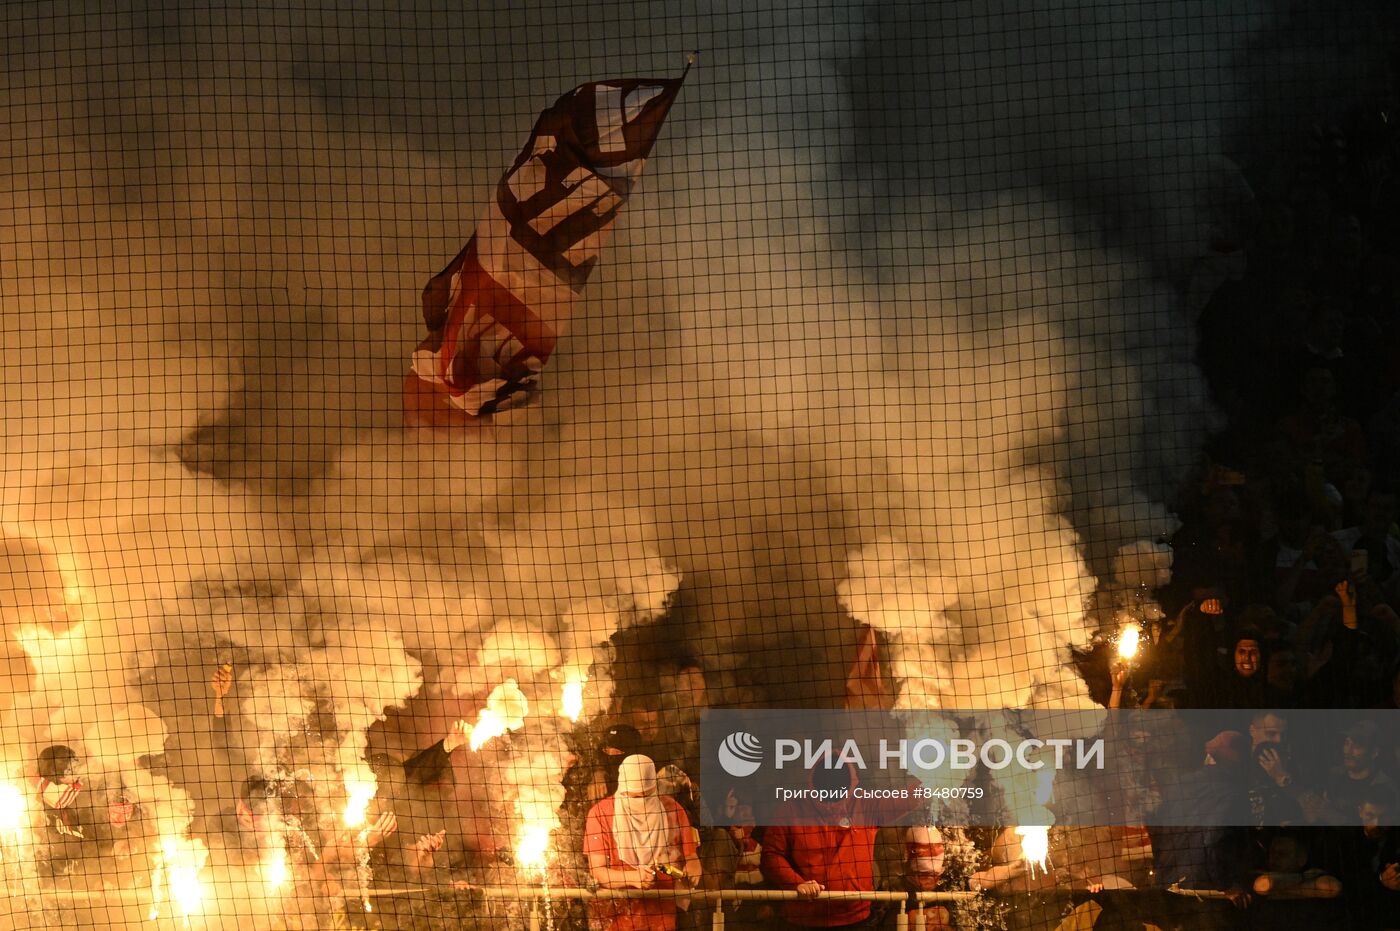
{"type": "Point", "coordinates": [58, 794]}
{"type": "Point", "coordinates": [496, 311]}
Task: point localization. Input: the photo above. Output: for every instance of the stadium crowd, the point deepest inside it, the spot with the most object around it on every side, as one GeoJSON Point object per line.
{"type": "Point", "coordinates": [1285, 596]}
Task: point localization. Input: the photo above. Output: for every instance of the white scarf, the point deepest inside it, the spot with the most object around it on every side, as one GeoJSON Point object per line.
{"type": "Point", "coordinates": [641, 823]}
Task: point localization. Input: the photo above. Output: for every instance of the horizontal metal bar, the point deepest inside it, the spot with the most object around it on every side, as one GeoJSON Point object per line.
{"type": "Point", "coordinates": [524, 892]}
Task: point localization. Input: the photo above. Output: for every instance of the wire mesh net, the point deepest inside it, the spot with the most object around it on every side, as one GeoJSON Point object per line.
{"type": "Point", "coordinates": [934, 347]}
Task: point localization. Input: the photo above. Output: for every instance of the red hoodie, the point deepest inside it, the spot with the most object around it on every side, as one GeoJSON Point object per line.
{"type": "Point", "coordinates": [840, 858]}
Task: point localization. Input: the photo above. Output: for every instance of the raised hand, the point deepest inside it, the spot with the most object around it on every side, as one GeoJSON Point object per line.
{"type": "Point", "coordinates": [457, 735]}
{"type": "Point", "coordinates": [1272, 763]}
{"type": "Point", "coordinates": [1347, 593]}
{"type": "Point", "coordinates": [221, 682]}
{"type": "Point", "coordinates": [426, 846]}
{"type": "Point", "coordinates": [1119, 676]}
{"type": "Point", "coordinates": [387, 823]}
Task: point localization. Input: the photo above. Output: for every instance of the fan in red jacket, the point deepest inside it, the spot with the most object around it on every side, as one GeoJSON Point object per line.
{"type": "Point", "coordinates": [829, 846]}
{"type": "Point", "coordinates": [637, 838]}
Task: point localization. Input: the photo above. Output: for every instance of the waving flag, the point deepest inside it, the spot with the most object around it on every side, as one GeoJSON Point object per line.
{"type": "Point", "coordinates": [496, 311]}
{"type": "Point", "coordinates": [865, 684]}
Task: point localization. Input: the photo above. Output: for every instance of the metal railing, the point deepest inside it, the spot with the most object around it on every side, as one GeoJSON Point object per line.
{"type": "Point", "coordinates": [720, 896]}
{"type": "Point", "coordinates": [537, 895]}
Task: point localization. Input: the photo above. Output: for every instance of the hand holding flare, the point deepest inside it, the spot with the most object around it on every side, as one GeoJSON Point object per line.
{"type": "Point", "coordinates": [457, 735]}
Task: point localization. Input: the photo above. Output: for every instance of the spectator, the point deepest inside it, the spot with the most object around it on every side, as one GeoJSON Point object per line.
{"type": "Point", "coordinates": [1359, 773]}
{"type": "Point", "coordinates": [272, 812]}
{"type": "Point", "coordinates": [592, 774]}
{"type": "Point", "coordinates": [1219, 544]}
{"type": "Point", "coordinates": [1273, 790]}
{"type": "Point", "coordinates": [1287, 672]}
{"type": "Point", "coordinates": [619, 742]}
{"type": "Point", "coordinates": [115, 832]}
{"type": "Point", "coordinates": [1356, 485]}
{"type": "Point", "coordinates": [1192, 842]}
{"type": "Point", "coordinates": [1267, 727]}
{"type": "Point", "coordinates": [635, 839]}
{"type": "Point", "coordinates": [422, 851]}
{"type": "Point", "coordinates": [1354, 647]}
{"type": "Point", "coordinates": [716, 851]}
{"type": "Point", "coordinates": [644, 715]}
{"type": "Point", "coordinates": [1316, 299]}
{"type": "Point", "coordinates": [1318, 429]}
{"type": "Point", "coordinates": [828, 845]}
{"type": "Point", "coordinates": [924, 854]}
{"type": "Point", "coordinates": [277, 817]}
{"type": "Point", "coordinates": [748, 871]}
{"type": "Point", "coordinates": [1282, 790]}
{"type": "Point", "coordinates": [1370, 542]}
{"type": "Point", "coordinates": [1371, 863]}
{"type": "Point", "coordinates": [1308, 573]}
{"type": "Point", "coordinates": [1244, 684]}
{"type": "Point", "coordinates": [1287, 872]}
{"type": "Point", "coordinates": [58, 787]}
{"type": "Point", "coordinates": [76, 818]}
{"type": "Point", "coordinates": [1197, 628]}
{"type": "Point", "coordinates": [675, 782]}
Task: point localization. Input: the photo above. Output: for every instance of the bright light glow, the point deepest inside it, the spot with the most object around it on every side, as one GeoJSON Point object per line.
{"type": "Point", "coordinates": [489, 726]}
{"type": "Point", "coordinates": [571, 703]}
{"type": "Point", "coordinates": [505, 710]}
{"type": "Point", "coordinates": [186, 889]}
{"type": "Point", "coordinates": [13, 807]}
{"type": "Point", "coordinates": [1035, 846]}
{"type": "Point", "coordinates": [533, 848]}
{"type": "Point", "coordinates": [1128, 641]}
{"type": "Point", "coordinates": [275, 871]}
{"type": "Point", "coordinates": [182, 860]}
{"type": "Point", "coordinates": [361, 792]}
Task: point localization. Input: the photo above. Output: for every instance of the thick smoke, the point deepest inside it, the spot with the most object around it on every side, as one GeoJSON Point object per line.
{"type": "Point", "coordinates": [892, 334]}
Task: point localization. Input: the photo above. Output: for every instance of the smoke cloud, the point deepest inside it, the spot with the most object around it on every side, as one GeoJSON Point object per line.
{"type": "Point", "coordinates": [894, 333]}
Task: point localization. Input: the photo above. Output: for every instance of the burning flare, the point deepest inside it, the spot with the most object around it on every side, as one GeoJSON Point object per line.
{"type": "Point", "coordinates": [1128, 641]}
{"type": "Point", "coordinates": [571, 702]}
{"type": "Point", "coordinates": [1035, 846]}
{"type": "Point", "coordinates": [275, 870]}
{"type": "Point", "coordinates": [13, 808]}
{"type": "Point", "coordinates": [532, 851]}
{"type": "Point", "coordinates": [176, 876]}
{"type": "Point", "coordinates": [489, 726]}
{"type": "Point", "coordinates": [505, 710]}
{"type": "Point", "coordinates": [361, 792]}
